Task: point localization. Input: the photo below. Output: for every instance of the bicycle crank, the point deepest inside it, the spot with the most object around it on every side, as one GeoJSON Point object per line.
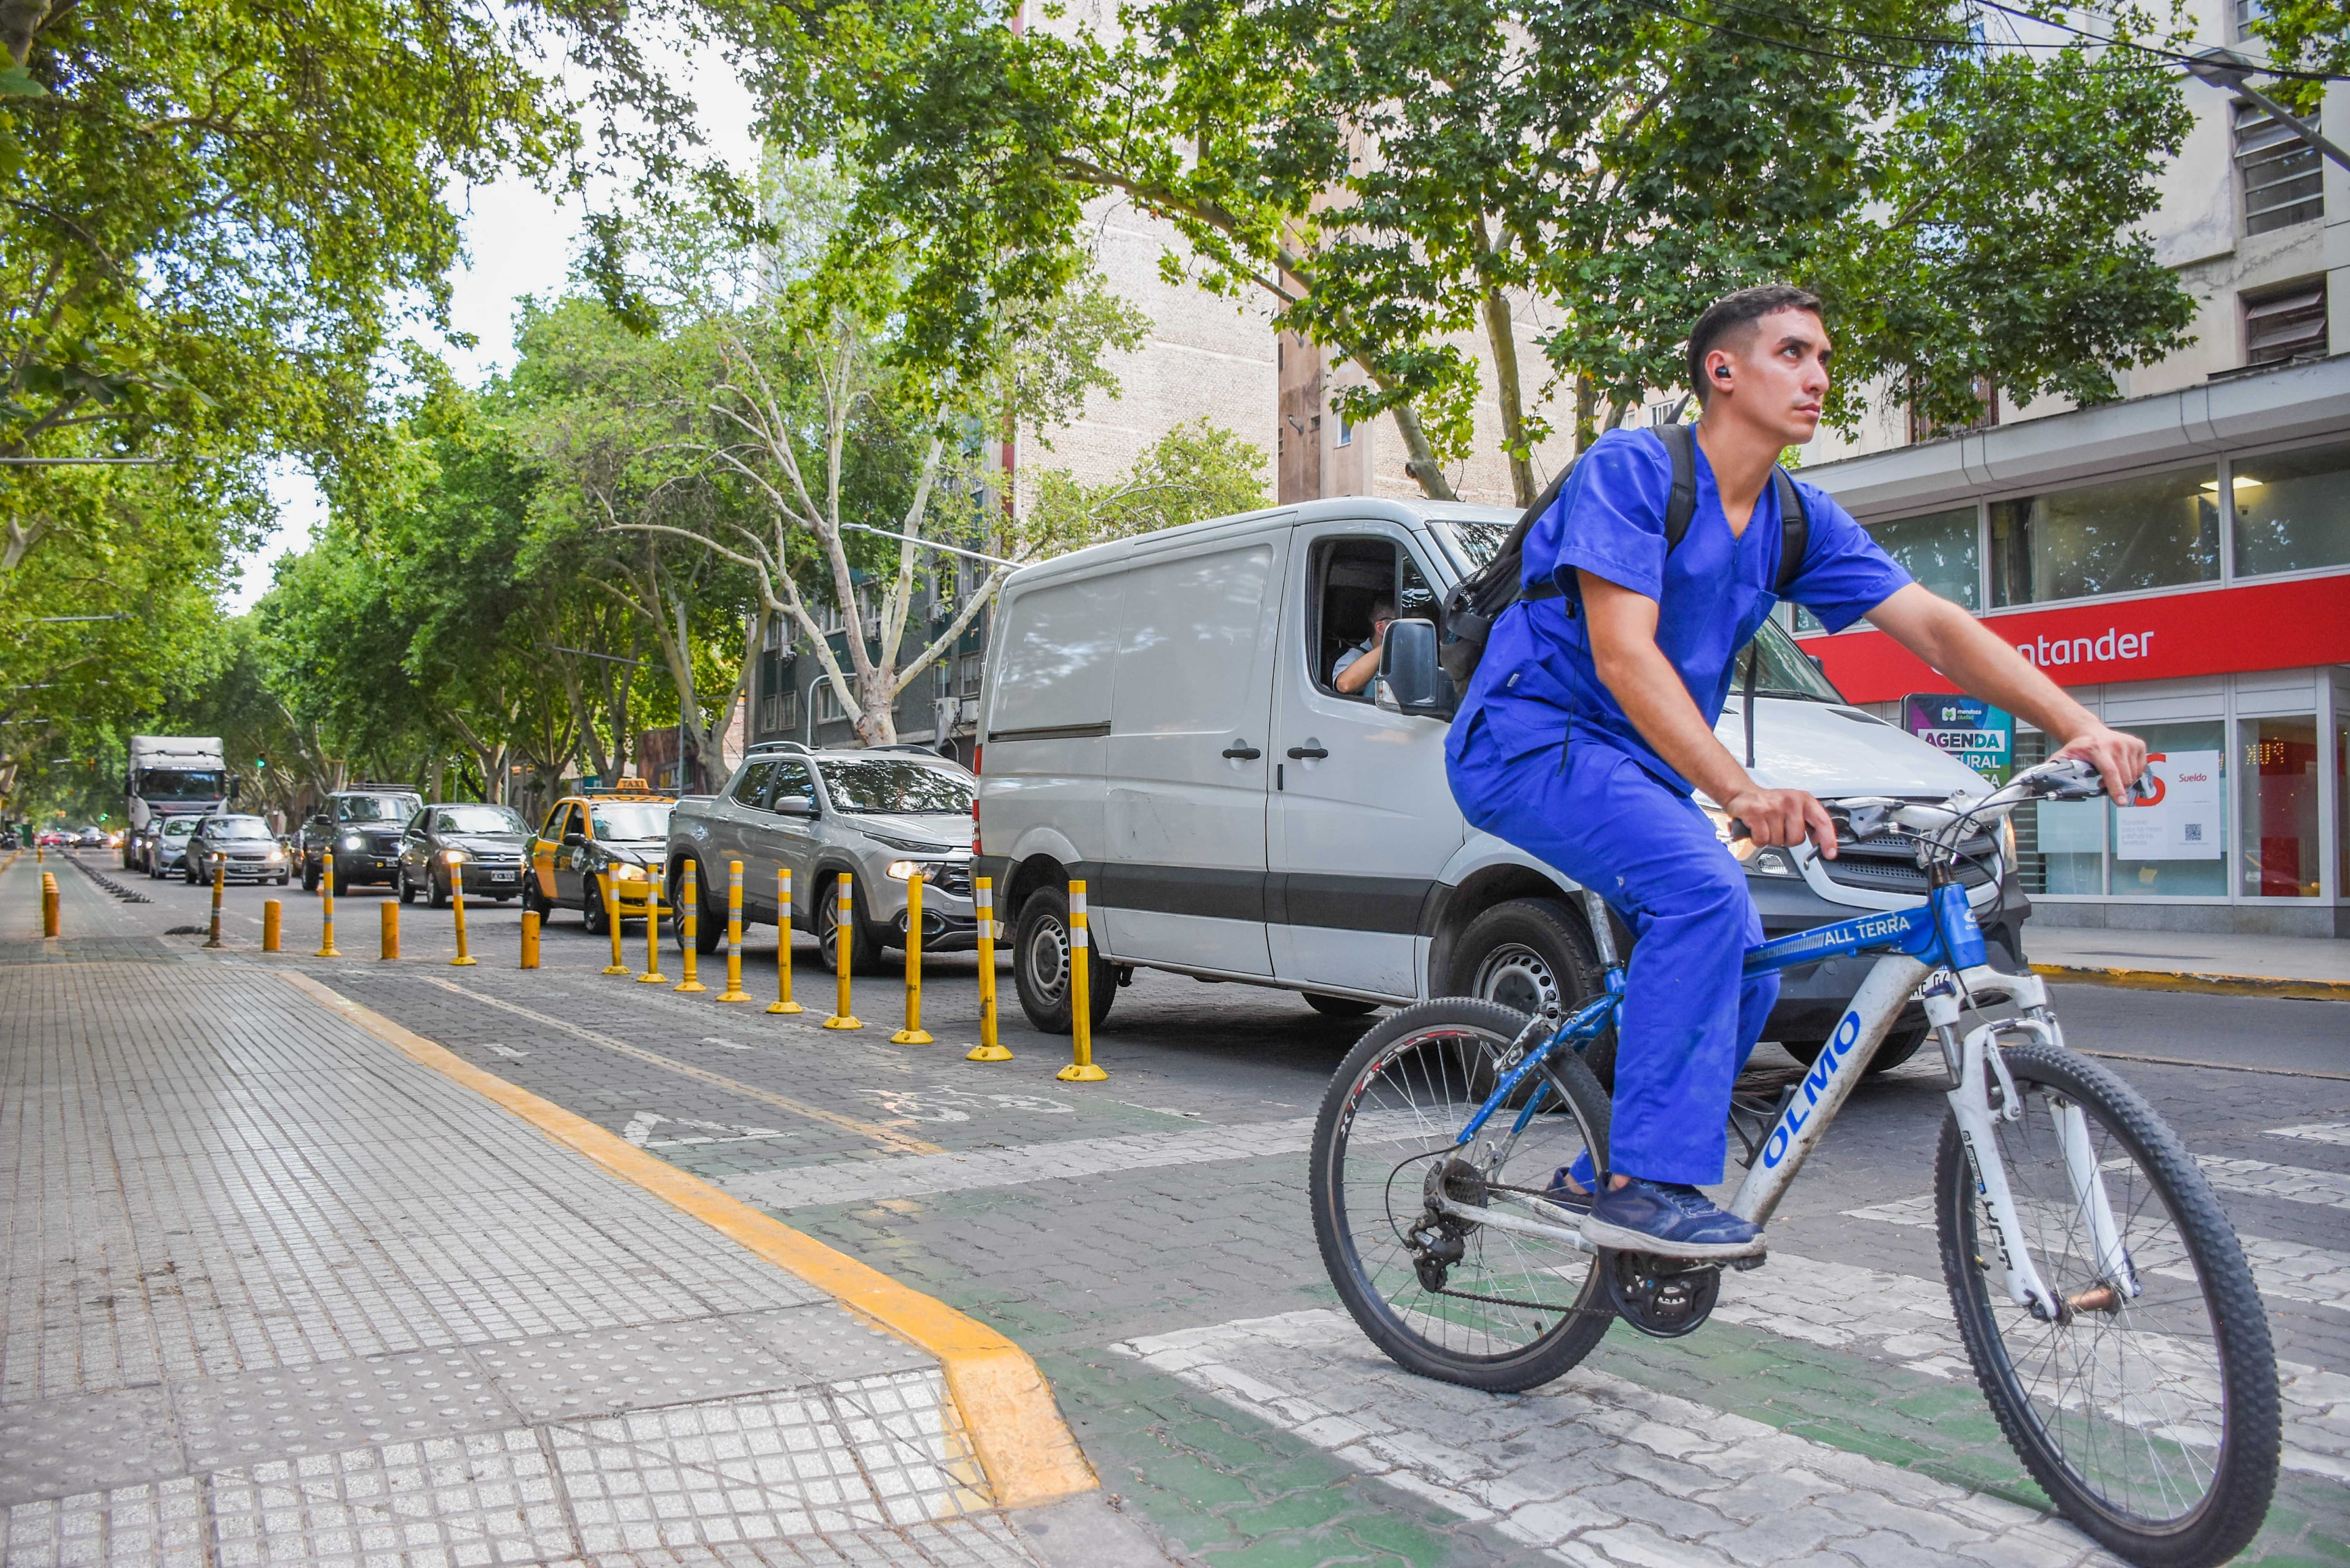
{"type": "Point", "coordinates": [1663, 1297]}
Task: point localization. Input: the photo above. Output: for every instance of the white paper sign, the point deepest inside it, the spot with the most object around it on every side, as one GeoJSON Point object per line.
{"type": "Point", "coordinates": [2183, 821]}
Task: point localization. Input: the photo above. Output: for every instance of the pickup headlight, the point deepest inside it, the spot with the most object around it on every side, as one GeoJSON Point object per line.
{"type": "Point", "coordinates": [353, 842]}
{"type": "Point", "coordinates": [903, 870]}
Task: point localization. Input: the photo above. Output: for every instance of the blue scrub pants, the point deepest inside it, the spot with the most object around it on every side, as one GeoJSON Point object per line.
{"type": "Point", "coordinates": [1690, 1017]}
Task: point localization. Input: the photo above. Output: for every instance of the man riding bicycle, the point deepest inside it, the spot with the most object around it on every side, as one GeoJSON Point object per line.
{"type": "Point", "coordinates": [1591, 717]}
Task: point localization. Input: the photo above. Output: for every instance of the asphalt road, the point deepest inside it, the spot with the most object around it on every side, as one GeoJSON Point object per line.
{"type": "Point", "coordinates": [1148, 1239]}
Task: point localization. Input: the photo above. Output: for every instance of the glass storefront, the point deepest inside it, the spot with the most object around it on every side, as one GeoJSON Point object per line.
{"type": "Point", "coordinates": [2177, 847]}
{"type": "Point", "coordinates": [2293, 510]}
{"type": "Point", "coordinates": [2279, 807]}
{"type": "Point", "coordinates": [2155, 531]}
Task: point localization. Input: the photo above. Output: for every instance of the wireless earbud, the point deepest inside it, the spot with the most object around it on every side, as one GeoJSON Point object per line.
{"type": "Point", "coordinates": [1721, 372]}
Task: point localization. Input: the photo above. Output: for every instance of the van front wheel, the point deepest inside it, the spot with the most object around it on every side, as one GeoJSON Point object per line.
{"type": "Point", "coordinates": [1533, 956]}
{"type": "Point", "coordinates": [1041, 965]}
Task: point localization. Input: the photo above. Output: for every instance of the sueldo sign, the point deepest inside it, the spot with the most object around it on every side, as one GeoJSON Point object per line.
{"type": "Point", "coordinates": [2162, 637]}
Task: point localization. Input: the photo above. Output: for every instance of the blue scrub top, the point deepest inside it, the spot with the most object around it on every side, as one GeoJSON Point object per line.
{"type": "Point", "coordinates": [1713, 591]}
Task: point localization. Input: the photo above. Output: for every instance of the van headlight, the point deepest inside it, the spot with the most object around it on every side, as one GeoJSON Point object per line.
{"type": "Point", "coordinates": [1742, 848]}
{"type": "Point", "coordinates": [2007, 841]}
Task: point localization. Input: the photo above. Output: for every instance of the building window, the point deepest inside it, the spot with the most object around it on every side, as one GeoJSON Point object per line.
{"type": "Point", "coordinates": [2292, 511]}
{"type": "Point", "coordinates": [828, 709]}
{"type": "Point", "coordinates": [779, 711]}
{"type": "Point", "coordinates": [2176, 848]}
{"type": "Point", "coordinates": [2280, 172]}
{"type": "Point", "coordinates": [968, 667]}
{"type": "Point", "coordinates": [1986, 396]}
{"type": "Point", "coordinates": [2285, 324]}
{"type": "Point", "coordinates": [2153, 531]}
{"type": "Point", "coordinates": [2247, 13]}
{"type": "Point", "coordinates": [779, 633]}
{"type": "Point", "coordinates": [2278, 777]}
{"type": "Point", "coordinates": [1346, 431]}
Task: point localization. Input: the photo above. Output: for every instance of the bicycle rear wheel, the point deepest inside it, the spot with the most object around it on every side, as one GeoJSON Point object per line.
{"type": "Point", "coordinates": [2152, 1421]}
{"type": "Point", "coordinates": [1467, 1302]}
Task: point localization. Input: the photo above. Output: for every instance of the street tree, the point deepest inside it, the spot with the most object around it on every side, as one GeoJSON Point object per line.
{"type": "Point", "coordinates": [1402, 179]}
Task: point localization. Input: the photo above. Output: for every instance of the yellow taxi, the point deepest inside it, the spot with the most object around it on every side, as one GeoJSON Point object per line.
{"type": "Point", "coordinates": [621, 832]}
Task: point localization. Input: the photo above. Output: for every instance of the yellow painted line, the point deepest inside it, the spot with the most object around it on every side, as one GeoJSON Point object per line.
{"type": "Point", "coordinates": [1005, 1404]}
{"type": "Point", "coordinates": [889, 1137]}
{"type": "Point", "coordinates": [2207, 984]}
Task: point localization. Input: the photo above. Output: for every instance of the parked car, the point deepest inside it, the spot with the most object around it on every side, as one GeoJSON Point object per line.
{"type": "Point", "coordinates": [246, 848]}
{"type": "Point", "coordinates": [879, 815]}
{"type": "Point", "coordinates": [479, 848]}
{"type": "Point", "coordinates": [363, 825]}
{"type": "Point", "coordinates": [620, 833]}
{"type": "Point", "coordinates": [91, 838]}
{"type": "Point", "coordinates": [1159, 715]}
{"type": "Point", "coordinates": [166, 849]}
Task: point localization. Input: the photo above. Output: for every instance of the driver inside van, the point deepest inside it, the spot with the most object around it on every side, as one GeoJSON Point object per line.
{"type": "Point", "coordinates": [1354, 670]}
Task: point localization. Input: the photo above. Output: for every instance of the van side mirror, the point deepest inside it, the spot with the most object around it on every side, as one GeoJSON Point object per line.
{"type": "Point", "coordinates": [1817, 662]}
{"type": "Point", "coordinates": [1410, 681]}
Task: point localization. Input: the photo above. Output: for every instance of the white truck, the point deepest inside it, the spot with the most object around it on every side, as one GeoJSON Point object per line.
{"type": "Point", "coordinates": [169, 775]}
{"type": "Point", "coordinates": [1160, 719]}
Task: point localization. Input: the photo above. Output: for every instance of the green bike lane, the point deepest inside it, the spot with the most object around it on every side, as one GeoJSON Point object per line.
{"type": "Point", "coordinates": [1181, 1211]}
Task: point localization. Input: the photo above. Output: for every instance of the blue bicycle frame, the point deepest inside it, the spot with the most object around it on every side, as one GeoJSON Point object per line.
{"type": "Point", "coordinates": [1942, 931]}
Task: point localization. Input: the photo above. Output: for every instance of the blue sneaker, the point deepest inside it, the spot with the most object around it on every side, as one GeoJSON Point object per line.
{"type": "Point", "coordinates": [1570, 1188]}
{"type": "Point", "coordinates": [1671, 1219]}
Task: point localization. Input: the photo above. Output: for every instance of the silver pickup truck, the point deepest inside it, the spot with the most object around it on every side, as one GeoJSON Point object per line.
{"type": "Point", "coordinates": [881, 815]}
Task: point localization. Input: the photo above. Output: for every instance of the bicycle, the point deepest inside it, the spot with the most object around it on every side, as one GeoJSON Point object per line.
{"type": "Point", "coordinates": [2067, 1210]}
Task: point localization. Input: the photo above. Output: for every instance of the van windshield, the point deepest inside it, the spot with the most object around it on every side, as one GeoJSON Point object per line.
{"type": "Point", "coordinates": [1785, 670]}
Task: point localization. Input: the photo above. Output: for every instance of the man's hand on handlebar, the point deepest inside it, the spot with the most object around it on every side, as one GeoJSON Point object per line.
{"type": "Point", "coordinates": [2119, 759]}
{"type": "Point", "coordinates": [1783, 817]}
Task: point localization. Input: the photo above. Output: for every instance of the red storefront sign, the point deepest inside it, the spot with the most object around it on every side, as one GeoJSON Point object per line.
{"type": "Point", "coordinates": [2211, 631]}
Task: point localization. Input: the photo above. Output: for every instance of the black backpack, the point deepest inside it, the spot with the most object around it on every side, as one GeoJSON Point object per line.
{"type": "Point", "coordinates": [1477, 601]}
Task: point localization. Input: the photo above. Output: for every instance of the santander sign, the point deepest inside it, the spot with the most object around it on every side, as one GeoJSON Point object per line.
{"type": "Point", "coordinates": [2162, 637]}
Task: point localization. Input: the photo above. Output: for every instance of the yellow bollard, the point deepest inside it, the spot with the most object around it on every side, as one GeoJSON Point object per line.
{"type": "Point", "coordinates": [844, 927]}
{"type": "Point", "coordinates": [784, 1003]}
{"type": "Point", "coordinates": [988, 1049]}
{"type": "Point", "coordinates": [457, 902]}
{"type": "Point", "coordinates": [1081, 1068]}
{"type": "Point", "coordinates": [220, 880]}
{"type": "Point", "coordinates": [273, 924]}
{"type": "Point", "coordinates": [530, 939]}
{"type": "Point", "coordinates": [51, 912]}
{"type": "Point", "coordinates": [612, 923]}
{"type": "Point", "coordinates": [652, 976]}
{"type": "Point", "coordinates": [387, 932]}
{"type": "Point", "coordinates": [733, 992]}
{"type": "Point", "coordinates": [688, 917]}
{"type": "Point", "coordinates": [912, 1033]}
{"type": "Point", "coordinates": [327, 948]}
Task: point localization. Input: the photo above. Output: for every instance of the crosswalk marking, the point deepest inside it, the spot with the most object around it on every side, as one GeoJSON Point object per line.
{"type": "Point", "coordinates": [2259, 1178]}
{"type": "Point", "coordinates": [2316, 1132]}
{"type": "Point", "coordinates": [1841, 1307]}
{"type": "Point", "coordinates": [2286, 1270]}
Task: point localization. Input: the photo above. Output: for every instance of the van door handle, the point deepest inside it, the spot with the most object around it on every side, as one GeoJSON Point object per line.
{"type": "Point", "coordinates": [1242, 751]}
{"type": "Point", "coordinates": [1311, 749]}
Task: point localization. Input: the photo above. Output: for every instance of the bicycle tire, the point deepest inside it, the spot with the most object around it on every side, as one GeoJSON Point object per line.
{"type": "Point", "coordinates": [2148, 1374]}
{"type": "Point", "coordinates": [1581, 1323]}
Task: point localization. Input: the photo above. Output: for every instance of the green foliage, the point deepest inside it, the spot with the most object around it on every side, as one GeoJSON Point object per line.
{"type": "Point", "coordinates": [2311, 35]}
{"type": "Point", "coordinates": [1194, 471]}
{"type": "Point", "coordinates": [1400, 175]}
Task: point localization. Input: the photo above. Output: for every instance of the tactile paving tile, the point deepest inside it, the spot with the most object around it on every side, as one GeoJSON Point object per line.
{"type": "Point", "coordinates": [487, 1497]}
{"type": "Point", "coordinates": [828, 1342]}
{"type": "Point", "coordinates": [574, 1377]}
{"type": "Point", "coordinates": [61, 1447]}
{"type": "Point", "coordinates": [769, 1468]}
{"type": "Point", "coordinates": [322, 1410]}
{"type": "Point", "coordinates": [982, 1542]}
{"type": "Point", "coordinates": [160, 1523]}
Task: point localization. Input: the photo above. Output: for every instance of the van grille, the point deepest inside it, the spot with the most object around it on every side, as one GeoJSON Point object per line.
{"type": "Point", "coordinates": [1888, 863]}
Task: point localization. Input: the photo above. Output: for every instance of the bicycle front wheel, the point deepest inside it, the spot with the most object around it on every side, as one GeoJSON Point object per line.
{"type": "Point", "coordinates": [1504, 1303]}
{"type": "Point", "coordinates": [2151, 1420]}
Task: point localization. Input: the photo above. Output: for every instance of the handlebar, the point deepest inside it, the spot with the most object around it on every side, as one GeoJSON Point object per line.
{"type": "Point", "coordinates": [2061, 778]}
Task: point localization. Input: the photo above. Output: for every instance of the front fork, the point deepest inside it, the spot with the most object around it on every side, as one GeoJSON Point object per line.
{"type": "Point", "coordinates": [1975, 1064]}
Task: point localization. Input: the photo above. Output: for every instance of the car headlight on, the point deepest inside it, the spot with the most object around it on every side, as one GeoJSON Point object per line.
{"type": "Point", "coordinates": [627, 873]}
{"type": "Point", "coordinates": [902, 871]}
{"type": "Point", "coordinates": [353, 842]}
{"type": "Point", "coordinates": [276, 856]}
{"type": "Point", "coordinates": [1743, 848]}
{"type": "Point", "coordinates": [452, 857]}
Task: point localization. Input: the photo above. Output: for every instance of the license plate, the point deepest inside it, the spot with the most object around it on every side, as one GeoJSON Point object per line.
{"type": "Point", "coordinates": [502, 876]}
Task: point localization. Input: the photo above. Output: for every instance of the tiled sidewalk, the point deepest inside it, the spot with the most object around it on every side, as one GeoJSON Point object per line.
{"type": "Point", "coordinates": [277, 1292]}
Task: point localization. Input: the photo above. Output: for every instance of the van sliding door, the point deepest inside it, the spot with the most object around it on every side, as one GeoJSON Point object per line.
{"type": "Point", "coordinates": [1191, 756]}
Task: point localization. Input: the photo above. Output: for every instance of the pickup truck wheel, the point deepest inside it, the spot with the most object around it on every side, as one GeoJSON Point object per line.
{"type": "Point", "coordinates": [1040, 965]}
{"type": "Point", "coordinates": [1533, 955]}
{"type": "Point", "coordinates": [864, 956]}
{"type": "Point", "coordinates": [1899, 1047]}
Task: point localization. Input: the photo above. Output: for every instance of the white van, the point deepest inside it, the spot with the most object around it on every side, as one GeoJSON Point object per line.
{"type": "Point", "coordinates": [1160, 720]}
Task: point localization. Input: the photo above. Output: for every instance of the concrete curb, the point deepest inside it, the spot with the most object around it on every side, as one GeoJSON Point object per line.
{"type": "Point", "coordinates": [1007, 1408]}
{"type": "Point", "coordinates": [2208, 984]}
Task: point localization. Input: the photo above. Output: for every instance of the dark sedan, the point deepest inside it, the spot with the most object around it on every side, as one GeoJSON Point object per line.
{"type": "Point", "coordinates": [243, 849]}
{"type": "Point", "coordinates": [482, 844]}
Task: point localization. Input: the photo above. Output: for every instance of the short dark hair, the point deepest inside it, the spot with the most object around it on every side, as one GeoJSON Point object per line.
{"type": "Point", "coordinates": [1734, 311]}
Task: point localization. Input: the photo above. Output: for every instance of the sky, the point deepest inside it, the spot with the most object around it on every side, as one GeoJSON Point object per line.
{"type": "Point", "coordinates": [518, 241]}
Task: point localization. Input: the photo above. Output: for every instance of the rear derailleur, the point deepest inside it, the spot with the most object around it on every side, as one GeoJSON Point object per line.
{"type": "Point", "coordinates": [1438, 1240]}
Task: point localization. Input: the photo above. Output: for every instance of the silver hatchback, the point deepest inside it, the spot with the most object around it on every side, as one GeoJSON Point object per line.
{"type": "Point", "coordinates": [881, 815]}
